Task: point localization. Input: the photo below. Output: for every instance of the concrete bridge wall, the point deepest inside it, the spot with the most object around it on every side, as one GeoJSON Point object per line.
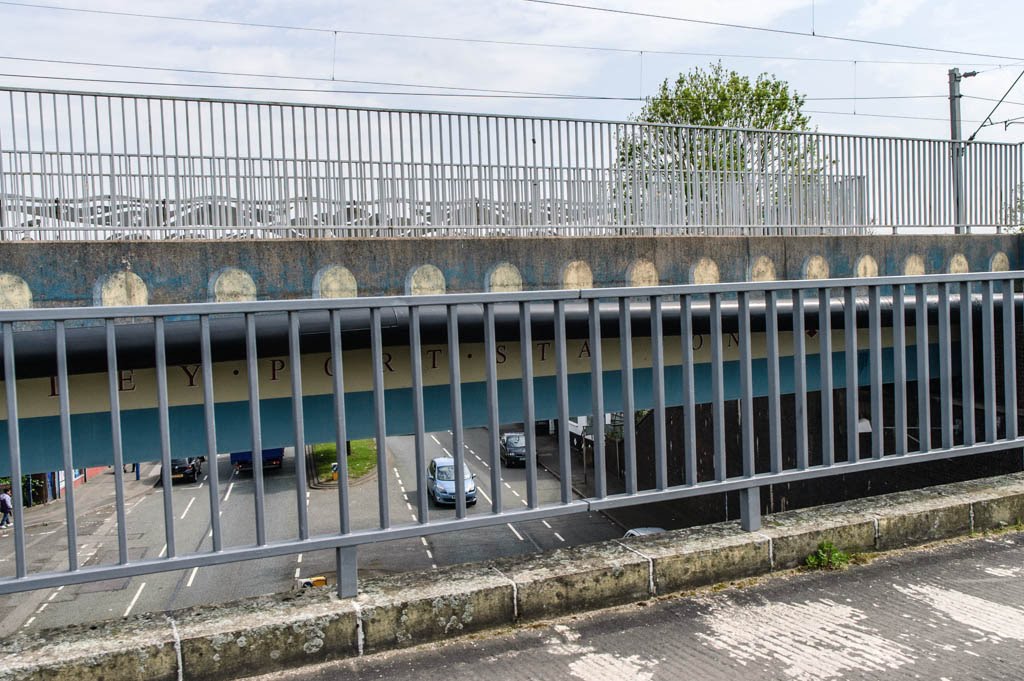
{"type": "Point", "coordinates": [93, 273]}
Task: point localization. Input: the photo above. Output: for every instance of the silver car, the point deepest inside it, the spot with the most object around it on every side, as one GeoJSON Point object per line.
{"type": "Point", "coordinates": [441, 481]}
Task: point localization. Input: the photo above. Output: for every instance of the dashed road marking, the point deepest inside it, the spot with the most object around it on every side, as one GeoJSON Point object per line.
{"type": "Point", "coordinates": [546, 524]}
{"type": "Point", "coordinates": [297, 573]}
{"type": "Point", "coordinates": [227, 495]}
{"type": "Point", "coordinates": [298, 558]}
{"type": "Point", "coordinates": [515, 532]}
{"type": "Point", "coordinates": [160, 555]}
{"type": "Point", "coordinates": [408, 505]}
{"type": "Point", "coordinates": [187, 507]}
{"type": "Point", "coordinates": [192, 576]}
{"type": "Point", "coordinates": [53, 595]}
{"type": "Point", "coordinates": [445, 450]}
{"type": "Point", "coordinates": [434, 438]}
{"type": "Point", "coordinates": [484, 494]}
{"type": "Point", "coordinates": [29, 621]}
{"type": "Point", "coordinates": [424, 540]}
{"type": "Point", "coordinates": [515, 492]}
{"type": "Point", "coordinates": [430, 554]}
{"type": "Point", "coordinates": [42, 607]}
{"type": "Point", "coordinates": [508, 485]}
{"type": "Point", "coordinates": [560, 538]}
{"type": "Point", "coordinates": [135, 599]}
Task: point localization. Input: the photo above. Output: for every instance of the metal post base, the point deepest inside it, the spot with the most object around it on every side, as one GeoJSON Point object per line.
{"type": "Point", "coordinates": [750, 509]}
{"type": "Point", "coordinates": [346, 566]}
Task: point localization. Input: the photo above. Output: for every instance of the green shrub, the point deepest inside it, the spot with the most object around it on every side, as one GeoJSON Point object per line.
{"type": "Point", "coordinates": [827, 557]}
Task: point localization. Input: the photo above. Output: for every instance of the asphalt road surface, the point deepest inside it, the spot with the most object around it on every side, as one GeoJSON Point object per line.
{"type": "Point", "coordinates": [46, 546]}
{"type": "Point", "coordinates": [947, 613]}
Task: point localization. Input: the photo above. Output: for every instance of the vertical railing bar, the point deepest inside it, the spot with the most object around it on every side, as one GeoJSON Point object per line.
{"type": "Point", "coordinates": [529, 413]}
{"type": "Point", "coordinates": [66, 445]}
{"type": "Point", "coordinates": [746, 386]}
{"type": "Point", "coordinates": [493, 407]}
{"type": "Point", "coordinates": [924, 419]}
{"type": "Point", "coordinates": [165, 435]}
{"type": "Point", "coordinates": [597, 401]}
{"type": "Point", "coordinates": [967, 361]}
{"type": "Point", "coordinates": [717, 387]}
{"type": "Point", "coordinates": [340, 424]}
{"type": "Point", "coordinates": [419, 426]}
{"type": "Point", "coordinates": [875, 350]}
{"type": "Point", "coordinates": [210, 420]}
{"type": "Point", "coordinates": [298, 422]}
{"type": "Point", "coordinates": [113, 385]}
{"type": "Point", "coordinates": [945, 369]}
{"type": "Point", "coordinates": [828, 442]}
{"type": "Point", "coordinates": [658, 385]}
{"type": "Point", "coordinates": [455, 392]}
{"type": "Point", "coordinates": [255, 427]}
{"type": "Point", "coordinates": [800, 379]}
{"type": "Point", "coordinates": [14, 448]}
{"type": "Point", "coordinates": [852, 384]}
{"type": "Point", "coordinates": [899, 370]}
{"type": "Point", "coordinates": [562, 397]}
{"type": "Point", "coordinates": [628, 416]}
{"type": "Point", "coordinates": [774, 383]}
{"type": "Point", "coordinates": [1009, 362]}
{"type": "Point", "coordinates": [689, 398]}
{"type": "Point", "coordinates": [380, 424]}
{"type": "Point", "coordinates": [988, 361]}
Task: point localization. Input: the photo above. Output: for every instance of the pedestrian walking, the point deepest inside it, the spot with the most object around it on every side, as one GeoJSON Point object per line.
{"type": "Point", "coordinates": [6, 507]}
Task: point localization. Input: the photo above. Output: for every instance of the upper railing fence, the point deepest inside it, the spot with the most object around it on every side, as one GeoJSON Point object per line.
{"type": "Point", "coordinates": [77, 165]}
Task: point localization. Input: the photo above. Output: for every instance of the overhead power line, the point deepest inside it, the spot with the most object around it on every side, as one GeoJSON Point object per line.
{"type": "Point", "coordinates": [480, 41]}
{"type": "Point", "coordinates": [767, 29]}
{"type": "Point", "coordinates": [988, 119]}
{"type": "Point", "coordinates": [472, 92]}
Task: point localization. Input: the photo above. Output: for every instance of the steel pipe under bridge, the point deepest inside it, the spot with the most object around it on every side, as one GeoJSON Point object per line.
{"type": "Point", "coordinates": [90, 385]}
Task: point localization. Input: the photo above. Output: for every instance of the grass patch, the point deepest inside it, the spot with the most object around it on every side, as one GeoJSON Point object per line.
{"type": "Point", "coordinates": [827, 557]}
{"type": "Point", "coordinates": [361, 461]}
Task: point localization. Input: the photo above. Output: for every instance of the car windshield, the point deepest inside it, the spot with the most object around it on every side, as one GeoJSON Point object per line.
{"type": "Point", "coordinates": [179, 462]}
{"type": "Point", "coordinates": [515, 440]}
{"type": "Point", "coordinates": [448, 472]}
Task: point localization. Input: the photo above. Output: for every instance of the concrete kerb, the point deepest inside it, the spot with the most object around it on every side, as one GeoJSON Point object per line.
{"type": "Point", "coordinates": [391, 612]}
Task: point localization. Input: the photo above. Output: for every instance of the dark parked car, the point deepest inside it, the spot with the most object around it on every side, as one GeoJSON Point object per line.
{"type": "Point", "coordinates": [186, 469]}
{"type": "Point", "coordinates": [513, 449]}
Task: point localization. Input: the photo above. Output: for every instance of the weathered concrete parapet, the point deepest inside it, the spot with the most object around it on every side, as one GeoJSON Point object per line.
{"type": "Point", "coordinates": [285, 631]}
{"type": "Point", "coordinates": [958, 264]}
{"type": "Point", "coordinates": [763, 269]}
{"type": "Point", "coordinates": [866, 266]}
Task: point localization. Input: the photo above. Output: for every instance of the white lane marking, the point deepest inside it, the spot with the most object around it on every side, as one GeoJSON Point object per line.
{"type": "Point", "coordinates": [467, 447]}
{"type": "Point", "coordinates": [484, 494]}
{"type": "Point", "coordinates": [60, 588]}
{"type": "Point", "coordinates": [560, 538]}
{"type": "Point", "coordinates": [434, 438]}
{"type": "Point", "coordinates": [296, 573]}
{"type": "Point", "coordinates": [298, 559]}
{"type": "Point", "coordinates": [29, 621]}
{"type": "Point", "coordinates": [227, 496]}
{"type": "Point", "coordinates": [430, 555]}
{"type": "Point", "coordinates": [433, 566]}
{"type": "Point", "coordinates": [52, 596]}
{"type": "Point", "coordinates": [401, 487]}
{"type": "Point", "coordinates": [445, 450]}
{"type": "Point", "coordinates": [162, 551]}
{"type": "Point", "coordinates": [413, 516]}
{"type": "Point", "coordinates": [526, 504]}
{"type": "Point", "coordinates": [187, 507]}
{"type": "Point", "coordinates": [545, 523]}
{"type": "Point", "coordinates": [41, 534]}
{"type": "Point", "coordinates": [478, 458]}
{"type": "Point", "coordinates": [515, 532]}
{"type": "Point", "coordinates": [205, 478]}
{"type": "Point", "coordinates": [396, 472]}
{"type": "Point", "coordinates": [408, 506]}
{"type": "Point", "coordinates": [192, 576]}
{"type": "Point", "coordinates": [42, 607]}
{"type": "Point", "coordinates": [485, 463]}
{"type": "Point", "coordinates": [199, 486]}
{"type": "Point", "coordinates": [135, 599]}
{"type": "Point", "coordinates": [424, 540]}
{"type": "Point", "coordinates": [508, 485]}
{"type": "Point", "coordinates": [515, 492]}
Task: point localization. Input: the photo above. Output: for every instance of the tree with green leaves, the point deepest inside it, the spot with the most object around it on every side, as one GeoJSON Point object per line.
{"type": "Point", "coordinates": [717, 147]}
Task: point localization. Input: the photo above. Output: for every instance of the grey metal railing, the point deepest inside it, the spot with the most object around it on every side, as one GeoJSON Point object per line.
{"type": "Point", "coordinates": [99, 166]}
{"type": "Point", "coordinates": [929, 363]}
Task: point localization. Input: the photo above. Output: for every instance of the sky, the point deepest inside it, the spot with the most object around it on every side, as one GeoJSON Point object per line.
{"type": "Point", "coordinates": [636, 55]}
